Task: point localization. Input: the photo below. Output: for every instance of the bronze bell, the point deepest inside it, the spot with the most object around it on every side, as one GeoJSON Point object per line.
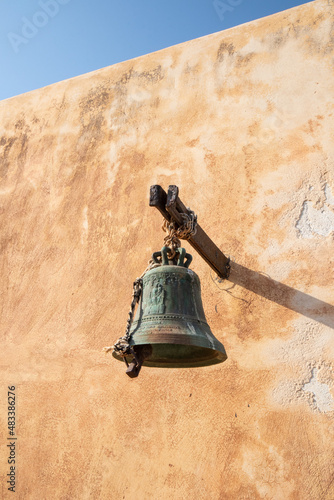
{"type": "Point", "coordinates": [169, 329]}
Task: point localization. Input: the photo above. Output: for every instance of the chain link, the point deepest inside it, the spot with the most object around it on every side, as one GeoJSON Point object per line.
{"type": "Point", "coordinates": [184, 232]}
{"type": "Point", "coordinates": [122, 346]}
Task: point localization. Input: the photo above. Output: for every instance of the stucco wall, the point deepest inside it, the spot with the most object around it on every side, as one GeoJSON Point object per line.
{"type": "Point", "coordinates": [242, 121]}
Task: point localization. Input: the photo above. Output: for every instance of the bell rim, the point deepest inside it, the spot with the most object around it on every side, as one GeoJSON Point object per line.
{"type": "Point", "coordinates": [220, 357]}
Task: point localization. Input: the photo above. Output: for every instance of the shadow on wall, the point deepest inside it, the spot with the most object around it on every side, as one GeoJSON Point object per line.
{"type": "Point", "coordinates": [283, 295]}
{"type": "Point", "coordinates": [172, 208]}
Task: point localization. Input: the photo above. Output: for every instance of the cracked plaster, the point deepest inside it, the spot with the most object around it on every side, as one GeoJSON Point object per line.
{"type": "Point", "coordinates": [317, 221]}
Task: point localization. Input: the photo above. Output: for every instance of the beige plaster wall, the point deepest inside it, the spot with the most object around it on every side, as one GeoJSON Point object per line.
{"type": "Point", "coordinates": [242, 121]}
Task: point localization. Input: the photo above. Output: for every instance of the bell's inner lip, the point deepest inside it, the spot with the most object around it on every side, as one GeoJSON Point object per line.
{"type": "Point", "coordinates": [165, 355]}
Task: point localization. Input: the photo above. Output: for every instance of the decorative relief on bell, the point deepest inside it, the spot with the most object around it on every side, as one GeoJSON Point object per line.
{"type": "Point", "coordinates": [156, 303]}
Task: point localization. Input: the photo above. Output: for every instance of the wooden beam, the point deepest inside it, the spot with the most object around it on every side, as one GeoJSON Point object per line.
{"type": "Point", "coordinates": [172, 208]}
{"type": "Point", "coordinates": [158, 199]}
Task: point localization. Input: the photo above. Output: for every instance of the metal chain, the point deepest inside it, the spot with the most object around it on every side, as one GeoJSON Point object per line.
{"type": "Point", "coordinates": [122, 346]}
{"type": "Point", "coordinates": [172, 240]}
{"type": "Point", "coordinates": [184, 232]}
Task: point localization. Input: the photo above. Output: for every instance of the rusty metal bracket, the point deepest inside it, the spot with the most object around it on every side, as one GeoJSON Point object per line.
{"type": "Point", "coordinates": [172, 208]}
{"type": "Point", "coordinates": [140, 353]}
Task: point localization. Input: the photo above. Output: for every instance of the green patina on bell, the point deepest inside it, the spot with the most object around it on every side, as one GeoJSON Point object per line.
{"type": "Point", "coordinates": [170, 329]}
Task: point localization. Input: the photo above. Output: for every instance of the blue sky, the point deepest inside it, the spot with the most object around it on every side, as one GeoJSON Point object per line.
{"type": "Point", "coordinates": [45, 41]}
